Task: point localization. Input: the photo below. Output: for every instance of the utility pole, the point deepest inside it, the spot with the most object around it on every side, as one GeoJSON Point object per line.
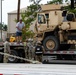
{"type": "Point", "coordinates": [18, 11]}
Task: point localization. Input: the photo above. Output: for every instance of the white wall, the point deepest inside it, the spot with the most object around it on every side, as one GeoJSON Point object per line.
{"type": "Point", "coordinates": [4, 35]}
{"type": "Point", "coordinates": [12, 23]}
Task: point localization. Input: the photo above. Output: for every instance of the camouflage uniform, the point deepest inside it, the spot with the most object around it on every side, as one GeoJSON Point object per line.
{"type": "Point", "coordinates": [31, 50]}
{"type": "Point", "coordinates": [39, 50]}
{"type": "Point", "coordinates": [6, 50]}
{"type": "Point", "coordinates": [26, 49]}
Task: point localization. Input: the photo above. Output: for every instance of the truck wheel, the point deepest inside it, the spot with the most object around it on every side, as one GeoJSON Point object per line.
{"type": "Point", "coordinates": [11, 59]}
{"type": "Point", "coordinates": [51, 43]}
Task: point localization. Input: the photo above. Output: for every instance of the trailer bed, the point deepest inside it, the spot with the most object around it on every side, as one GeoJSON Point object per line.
{"type": "Point", "coordinates": [60, 57]}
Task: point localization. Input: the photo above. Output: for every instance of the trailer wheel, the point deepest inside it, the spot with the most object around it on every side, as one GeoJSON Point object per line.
{"type": "Point", "coordinates": [51, 43]}
{"type": "Point", "coordinates": [11, 59]}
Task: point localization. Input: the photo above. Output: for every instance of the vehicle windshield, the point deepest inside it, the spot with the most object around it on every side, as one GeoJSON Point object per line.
{"type": "Point", "coordinates": [41, 19]}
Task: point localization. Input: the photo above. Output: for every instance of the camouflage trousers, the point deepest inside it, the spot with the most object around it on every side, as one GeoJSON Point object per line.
{"type": "Point", "coordinates": [6, 50]}
{"type": "Point", "coordinates": [5, 58]}
{"type": "Point", "coordinates": [39, 58]}
{"type": "Point", "coordinates": [29, 53]}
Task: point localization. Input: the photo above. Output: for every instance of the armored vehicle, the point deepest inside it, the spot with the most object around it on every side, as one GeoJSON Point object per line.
{"type": "Point", "coordinates": [55, 27]}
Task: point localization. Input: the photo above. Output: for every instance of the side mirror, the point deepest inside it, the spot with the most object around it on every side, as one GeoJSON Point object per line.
{"type": "Point", "coordinates": [64, 13]}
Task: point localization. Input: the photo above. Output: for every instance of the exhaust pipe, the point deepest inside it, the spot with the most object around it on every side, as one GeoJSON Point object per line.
{"type": "Point", "coordinates": [72, 4]}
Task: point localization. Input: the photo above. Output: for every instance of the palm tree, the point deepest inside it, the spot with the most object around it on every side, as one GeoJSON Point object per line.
{"type": "Point", "coordinates": [35, 1]}
{"type": "Point", "coordinates": [18, 11]}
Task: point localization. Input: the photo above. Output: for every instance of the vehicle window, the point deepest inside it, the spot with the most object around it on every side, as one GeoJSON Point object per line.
{"type": "Point", "coordinates": [47, 16]}
{"type": "Point", "coordinates": [41, 19]}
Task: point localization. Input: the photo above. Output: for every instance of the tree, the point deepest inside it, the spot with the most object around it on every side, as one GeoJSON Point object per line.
{"type": "Point", "coordinates": [36, 2]}
{"type": "Point", "coordinates": [69, 8]}
{"type": "Point", "coordinates": [56, 1]}
{"type": "Point", "coordinates": [5, 27]}
{"type": "Point", "coordinates": [29, 16]}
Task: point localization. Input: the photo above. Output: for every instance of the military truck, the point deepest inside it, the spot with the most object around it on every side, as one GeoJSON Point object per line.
{"type": "Point", "coordinates": [55, 27]}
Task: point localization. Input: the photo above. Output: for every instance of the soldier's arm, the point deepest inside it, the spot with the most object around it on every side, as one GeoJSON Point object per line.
{"type": "Point", "coordinates": [8, 48]}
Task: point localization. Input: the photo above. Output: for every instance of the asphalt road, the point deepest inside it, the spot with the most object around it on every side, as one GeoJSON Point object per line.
{"type": "Point", "coordinates": [38, 69]}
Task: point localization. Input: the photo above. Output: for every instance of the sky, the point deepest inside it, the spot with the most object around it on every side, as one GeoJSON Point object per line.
{"type": "Point", "coordinates": [11, 5]}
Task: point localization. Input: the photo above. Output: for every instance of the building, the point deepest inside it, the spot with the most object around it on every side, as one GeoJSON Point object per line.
{"type": "Point", "coordinates": [12, 16]}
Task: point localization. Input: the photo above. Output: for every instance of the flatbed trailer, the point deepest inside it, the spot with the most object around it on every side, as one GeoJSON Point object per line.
{"type": "Point", "coordinates": [17, 49]}
{"type": "Point", "coordinates": [59, 56]}
{"type": "Point", "coordinates": [64, 56]}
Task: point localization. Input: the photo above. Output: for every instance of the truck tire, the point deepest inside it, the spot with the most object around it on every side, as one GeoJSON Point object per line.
{"type": "Point", "coordinates": [51, 43]}
{"type": "Point", "coordinates": [11, 59]}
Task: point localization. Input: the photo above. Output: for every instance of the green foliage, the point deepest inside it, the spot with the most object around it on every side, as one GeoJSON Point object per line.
{"type": "Point", "coordinates": [66, 0]}
{"type": "Point", "coordinates": [68, 8]}
{"type": "Point", "coordinates": [29, 16]}
{"type": "Point", "coordinates": [73, 11]}
{"type": "Point", "coordinates": [15, 20]}
{"type": "Point", "coordinates": [36, 2]}
{"type": "Point", "coordinates": [3, 27]}
{"type": "Point", "coordinates": [57, 1]}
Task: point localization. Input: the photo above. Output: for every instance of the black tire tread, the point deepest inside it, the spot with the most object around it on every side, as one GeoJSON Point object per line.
{"type": "Point", "coordinates": [52, 38]}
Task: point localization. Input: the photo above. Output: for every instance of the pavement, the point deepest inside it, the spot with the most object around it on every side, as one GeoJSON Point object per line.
{"type": "Point", "coordinates": [37, 69]}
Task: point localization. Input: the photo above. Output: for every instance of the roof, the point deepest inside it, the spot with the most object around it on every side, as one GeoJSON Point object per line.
{"type": "Point", "coordinates": [15, 11]}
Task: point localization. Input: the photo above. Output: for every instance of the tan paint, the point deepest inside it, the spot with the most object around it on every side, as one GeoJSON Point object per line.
{"type": "Point", "coordinates": [71, 42]}
{"type": "Point", "coordinates": [50, 7]}
{"type": "Point", "coordinates": [68, 26]}
{"type": "Point", "coordinates": [56, 20]}
{"type": "Point", "coordinates": [72, 25]}
{"type": "Point", "coordinates": [61, 36]}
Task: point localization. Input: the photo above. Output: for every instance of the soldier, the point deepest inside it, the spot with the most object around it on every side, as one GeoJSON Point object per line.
{"type": "Point", "coordinates": [30, 48]}
{"type": "Point", "coordinates": [6, 50]}
{"type": "Point", "coordinates": [39, 51]}
{"type": "Point", "coordinates": [26, 48]}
